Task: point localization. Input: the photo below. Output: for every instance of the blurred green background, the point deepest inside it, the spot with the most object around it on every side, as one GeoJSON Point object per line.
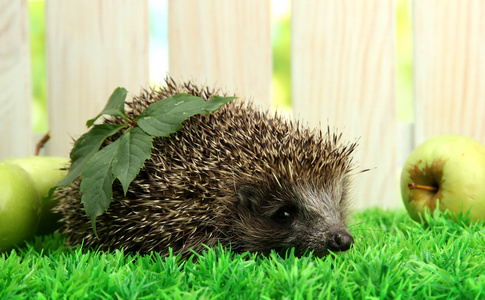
{"type": "Point", "coordinates": [38, 63]}
{"type": "Point", "coordinates": [281, 39]}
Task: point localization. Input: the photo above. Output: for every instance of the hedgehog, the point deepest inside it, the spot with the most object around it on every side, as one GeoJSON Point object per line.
{"type": "Point", "coordinates": [243, 177]}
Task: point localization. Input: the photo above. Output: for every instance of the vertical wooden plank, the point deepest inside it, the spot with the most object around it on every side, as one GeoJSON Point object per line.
{"type": "Point", "coordinates": [343, 76]}
{"type": "Point", "coordinates": [15, 85]}
{"type": "Point", "coordinates": [93, 46]}
{"type": "Point", "coordinates": [222, 43]}
{"type": "Point", "coordinates": [449, 68]}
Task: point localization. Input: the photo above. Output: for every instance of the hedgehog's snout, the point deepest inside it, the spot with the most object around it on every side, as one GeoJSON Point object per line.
{"type": "Point", "coordinates": [340, 240]}
{"type": "Point", "coordinates": [336, 239]}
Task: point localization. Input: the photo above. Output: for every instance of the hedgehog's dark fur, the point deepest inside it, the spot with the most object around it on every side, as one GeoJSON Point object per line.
{"type": "Point", "coordinates": [246, 178]}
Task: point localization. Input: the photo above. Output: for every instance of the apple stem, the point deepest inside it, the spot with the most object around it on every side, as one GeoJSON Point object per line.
{"type": "Point", "coordinates": [413, 186]}
{"type": "Point", "coordinates": [41, 143]}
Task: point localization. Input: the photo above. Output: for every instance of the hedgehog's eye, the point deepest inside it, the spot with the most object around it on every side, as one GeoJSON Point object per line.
{"type": "Point", "coordinates": [284, 214]}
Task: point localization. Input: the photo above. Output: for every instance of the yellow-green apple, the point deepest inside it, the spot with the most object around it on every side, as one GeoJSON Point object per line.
{"type": "Point", "coordinates": [449, 169]}
{"type": "Point", "coordinates": [46, 171]}
{"type": "Point", "coordinates": [19, 205]}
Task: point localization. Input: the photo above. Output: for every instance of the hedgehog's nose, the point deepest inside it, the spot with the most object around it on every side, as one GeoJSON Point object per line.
{"type": "Point", "coordinates": [340, 241]}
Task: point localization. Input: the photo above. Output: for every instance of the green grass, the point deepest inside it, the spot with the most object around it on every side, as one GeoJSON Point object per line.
{"type": "Point", "coordinates": [393, 258]}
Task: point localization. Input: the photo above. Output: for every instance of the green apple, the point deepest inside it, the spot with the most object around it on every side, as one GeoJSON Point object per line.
{"type": "Point", "coordinates": [449, 169]}
{"type": "Point", "coordinates": [46, 171]}
{"type": "Point", "coordinates": [19, 205]}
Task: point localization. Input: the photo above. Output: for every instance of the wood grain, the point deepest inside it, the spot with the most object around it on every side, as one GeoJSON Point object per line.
{"type": "Point", "coordinates": [343, 76]}
{"type": "Point", "coordinates": [15, 83]}
{"type": "Point", "coordinates": [222, 43]}
{"type": "Point", "coordinates": [449, 68]}
{"type": "Point", "coordinates": [93, 46]}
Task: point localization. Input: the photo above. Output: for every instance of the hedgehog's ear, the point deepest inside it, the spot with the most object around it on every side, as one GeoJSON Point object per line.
{"type": "Point", "coordinates": [250, 197]}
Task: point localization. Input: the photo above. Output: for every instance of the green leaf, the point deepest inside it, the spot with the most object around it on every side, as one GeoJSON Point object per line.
{"type": "Point", "coordinates": [97, 181]}
{"type": "Point", "coordinates": [215, 103]}
{"type": "Point", "coordinates": [165, 117]}
{"type": "Point", "coordinates": [87, 146]}
{"type": "Point", "coordinates": [115, 106]}
{"type": "Point", "coordinates": [134, 148]}
{"type": "Point", "coordinates": [124, 158]}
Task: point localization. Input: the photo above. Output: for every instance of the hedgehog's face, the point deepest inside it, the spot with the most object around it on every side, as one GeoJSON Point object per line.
{"type": "Point", "coordinates": [304, 217]}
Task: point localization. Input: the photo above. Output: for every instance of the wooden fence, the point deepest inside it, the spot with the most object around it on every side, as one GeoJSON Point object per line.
{"type": "Point", "coordinates": [343, 68]}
